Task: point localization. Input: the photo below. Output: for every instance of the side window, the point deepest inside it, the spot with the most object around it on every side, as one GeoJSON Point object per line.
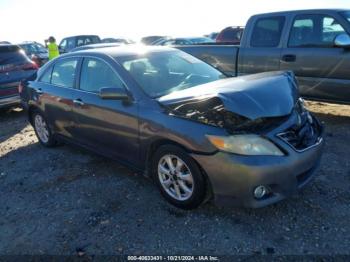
{"type": "Point", "coordinates": [46, 77]}
{"type": "Point", "coordinates": [169, 42]}
{"type": "Point", "coordinates": [267, 32]}
{"type": "Point", "coordinates": [88, 41]}
{"type": "Point", "coordinates": [71, 43]}
{"type": "Point", "coordinates": [63, 73]}
{"type": "Point", "coordinates": [96, 74]}
{"type": "Point", "coordinates": [63, 44]}
{"type": "Point", "coordinates": [80, 41]}
{"type": "Point", "coordinates": [182, 42]}
{"type": "Point", "coordinates": [314, 31]}
{"type": "Point", "coordinates": [330, 29]}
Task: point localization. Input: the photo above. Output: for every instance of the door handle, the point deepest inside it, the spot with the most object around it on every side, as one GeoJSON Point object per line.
{"type": "Point", "coordinates": [289, 58]}
{"type": "Point", "coordinates": [78, 102]}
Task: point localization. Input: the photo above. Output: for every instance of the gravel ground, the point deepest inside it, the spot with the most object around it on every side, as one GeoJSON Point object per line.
{"type": "Point", "coordinates": [64, 200]}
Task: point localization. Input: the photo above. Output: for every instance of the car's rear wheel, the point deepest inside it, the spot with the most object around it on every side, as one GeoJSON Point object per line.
{"type": "Point", "coordinates": [178, 177]}
{"type": "Point", "coordinates": [42, 130]}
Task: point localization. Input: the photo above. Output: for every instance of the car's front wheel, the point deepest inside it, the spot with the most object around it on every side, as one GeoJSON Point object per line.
{"type": "Point", "coordinates": [178, 177]}
{"type": "Point", "coordinates": [42, 130]}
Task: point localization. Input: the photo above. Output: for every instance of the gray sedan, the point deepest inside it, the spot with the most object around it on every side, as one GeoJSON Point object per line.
{"type": "Point", "coordinates": [245, 141]}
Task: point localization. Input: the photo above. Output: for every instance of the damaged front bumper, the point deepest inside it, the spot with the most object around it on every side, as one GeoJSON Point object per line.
{"type": "Point", "coordinates": [234, 177]}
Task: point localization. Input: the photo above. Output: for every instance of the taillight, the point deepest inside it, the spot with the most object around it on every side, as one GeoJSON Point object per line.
{"type": "Point", "coordinates": [29, 66]}
{"type": "Point", "coordinates": [20, 87]}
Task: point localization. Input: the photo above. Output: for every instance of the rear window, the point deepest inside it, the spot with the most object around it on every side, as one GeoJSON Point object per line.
{"type": "Point", "coordinates": [267, 32]}
{"type": "Point", "coordinates": [12, 55]}
{"type": "Point", "coordinates": [88, 40]}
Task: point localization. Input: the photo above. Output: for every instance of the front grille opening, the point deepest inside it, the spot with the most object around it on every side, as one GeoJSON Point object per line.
{"type": "Point", "coordinates": [304, 135]}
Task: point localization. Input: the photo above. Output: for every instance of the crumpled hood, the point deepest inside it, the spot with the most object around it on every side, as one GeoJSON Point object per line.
{"type": "Point", "coordinates": [263, 95]}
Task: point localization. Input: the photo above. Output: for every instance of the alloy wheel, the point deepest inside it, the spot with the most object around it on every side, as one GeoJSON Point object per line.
{"type": "Point", "coordinates": [175, 177]}
{"type": "Point", "coordinates": [41, 128]}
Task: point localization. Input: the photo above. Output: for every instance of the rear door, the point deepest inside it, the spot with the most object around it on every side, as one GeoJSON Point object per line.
{"type": "Point", "coordinates": [53, 92]}
{"type": "Point", "coordinates": [262, 46]}
{"type": "Point", "coordinates": [108, 126]}
{"type": "Point", "coordinates": [322, 69]}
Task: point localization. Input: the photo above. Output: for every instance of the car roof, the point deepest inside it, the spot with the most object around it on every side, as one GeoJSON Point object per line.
{"type": "Point", "coordinates": [9, 48]}
{"type": "Point", "coordinates": [93, 46]}
{"type": "Point", "coordinates": [304, 11]}
{"type": "Point", "coordinates": [9, 45]}
{"type": "Point", "coordinates": [79, 36]}
{"type": "Point", "coordinates": [124, 50]}
{"type": "Point", "coordinates": [28, 42]}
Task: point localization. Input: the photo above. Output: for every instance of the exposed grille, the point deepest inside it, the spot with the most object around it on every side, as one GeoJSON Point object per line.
{"type": "Point", "coordinates": [304, 134]}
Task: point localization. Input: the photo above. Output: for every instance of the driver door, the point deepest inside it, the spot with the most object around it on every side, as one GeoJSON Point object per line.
{"type": "Point", "coordinates": [321, 68]}
{"type": "Point", "coordinates": [107, 126]}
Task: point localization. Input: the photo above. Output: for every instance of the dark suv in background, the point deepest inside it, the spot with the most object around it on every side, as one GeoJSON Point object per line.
{"type": "Point", "coordinates": [15, 66]}
{"type": "Point", "coordinates": [230, 35]}
{"type": "Point", "coordinates": [69, 43]}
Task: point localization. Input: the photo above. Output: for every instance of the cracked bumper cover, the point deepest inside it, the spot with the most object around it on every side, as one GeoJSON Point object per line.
{"type": "Point", "coordinates": [233, 178]}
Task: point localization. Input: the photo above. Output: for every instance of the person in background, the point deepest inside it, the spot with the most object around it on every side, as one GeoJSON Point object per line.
{"type": "Point", "coordinates": [52, 47]}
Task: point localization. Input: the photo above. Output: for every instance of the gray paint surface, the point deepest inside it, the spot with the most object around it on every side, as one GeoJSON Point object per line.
{"type": "Point", "coordinates": [127, 130]}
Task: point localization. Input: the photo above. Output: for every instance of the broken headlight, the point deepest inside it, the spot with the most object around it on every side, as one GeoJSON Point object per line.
{"type": "Point", "coordinates": [245, 145]}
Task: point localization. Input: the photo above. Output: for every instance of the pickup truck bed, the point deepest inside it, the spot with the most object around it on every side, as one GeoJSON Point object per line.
{"type": "Point", "coordinates": [223, 57]}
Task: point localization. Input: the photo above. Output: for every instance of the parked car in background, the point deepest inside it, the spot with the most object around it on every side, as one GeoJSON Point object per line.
{"type": "Point", "coordinates": [147, 40]}
{"type": "Point", "coordinates": [72, 42]}
{"type": "Point", "coordinates": [14, 67]}
{"type": "Point", "coordinates": [314, 44]}
{"type": "Point", "coordinates": [36, 52]}
{"type": "Point", "coordinates": [117, 40]}
{"type": "Point", "coordinates": [248, 141]}
{"type": "Point", "coordinates": [95, 46]}
{"type": "Point", "coordinates": [212, 35]}
{"type": "Point", "coordinates": [183, 41]}
{"type": "Point", "coordinates": [230, 35]}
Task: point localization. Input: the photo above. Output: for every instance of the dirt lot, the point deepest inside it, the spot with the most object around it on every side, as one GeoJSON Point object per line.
{"type": "Point", "coordinates": [64, 200]}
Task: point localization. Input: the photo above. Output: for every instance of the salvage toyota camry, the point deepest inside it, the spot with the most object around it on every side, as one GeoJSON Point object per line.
{"type": "Point", "coordinates": [245, 141]}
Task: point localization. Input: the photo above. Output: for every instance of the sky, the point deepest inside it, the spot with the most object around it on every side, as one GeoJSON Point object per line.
{"type": "Point", "coordinates": [36, 20]}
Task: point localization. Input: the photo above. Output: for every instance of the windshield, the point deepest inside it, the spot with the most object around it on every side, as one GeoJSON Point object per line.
{"type": "Point", "coordinates": [346, 15]}
{"type": "Point", "coordinates": [161, 73]}
{"type": "Point", "coordinates": [34, 48]}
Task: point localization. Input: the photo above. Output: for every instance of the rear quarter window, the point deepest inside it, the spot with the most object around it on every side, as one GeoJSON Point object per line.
{"type": "Point", "coordinates": [267, 31]}
{"type": "Point", "coordinates": [63, 73]}
{"type": "Point", "coordinates": [46, 76]}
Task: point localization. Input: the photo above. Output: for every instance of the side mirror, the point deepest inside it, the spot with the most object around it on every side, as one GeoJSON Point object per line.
{"type": "Point", "coordinates": [61, 50]}
{"type": "Point", "coordinates": [342, 40]}
{"type": "Point", "coordinates": [115, 93]}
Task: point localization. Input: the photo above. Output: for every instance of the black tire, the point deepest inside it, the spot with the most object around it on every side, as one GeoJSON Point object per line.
{"type": "Point", "coordinates": [199, 182]}
{"type": "Point", "coordinates": [50, 142]}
